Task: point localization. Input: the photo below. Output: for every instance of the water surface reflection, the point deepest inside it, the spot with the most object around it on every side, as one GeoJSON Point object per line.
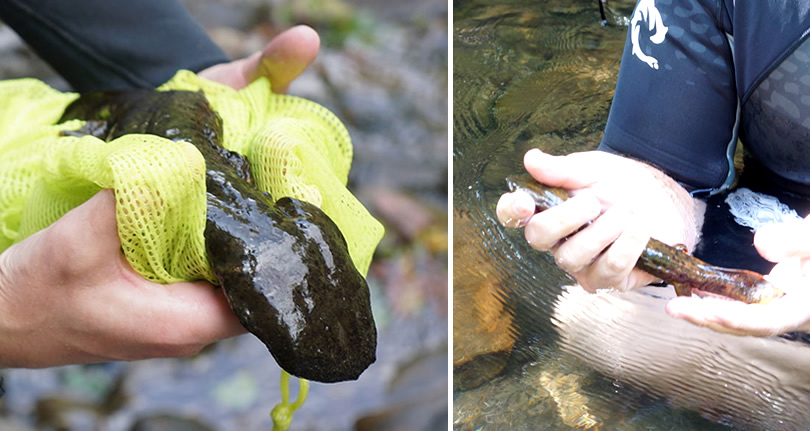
{"type": "Point", "coordinates": [530, 353]}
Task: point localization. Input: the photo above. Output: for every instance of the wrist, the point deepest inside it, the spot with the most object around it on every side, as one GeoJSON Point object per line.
{"type": "Point", "coordinates": [8, 321]}
{"type": "Point", "coordinates": [22, 322]}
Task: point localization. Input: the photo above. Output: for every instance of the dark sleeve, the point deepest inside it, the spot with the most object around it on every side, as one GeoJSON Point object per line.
{"type": "Point", "coordinates": [675, 105]}
{"type": "Point", "coordinates": [103, 44]}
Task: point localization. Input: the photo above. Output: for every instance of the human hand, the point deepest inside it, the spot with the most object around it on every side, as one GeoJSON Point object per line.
{"type": "Point", "coordinates": [626, 201]}
{"type": "Point", "coordinates": [69, 296]}
{"type": "Point", "coordinates": [788, 244]}
{"type": "Point", "coordinates": [281, 60]}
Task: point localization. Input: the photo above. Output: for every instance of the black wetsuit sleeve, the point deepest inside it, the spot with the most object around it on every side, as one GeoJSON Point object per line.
{"type": "Point", "coordinates": [103, 44]}
{"type": "Point", "coordinates": [675, 105]}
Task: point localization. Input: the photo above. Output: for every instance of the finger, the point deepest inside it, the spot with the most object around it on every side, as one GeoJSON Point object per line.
{"type": "Point", "coordinates": [570, 172]}
{"type": "Point", "coordinates": [585, 246]}
{"type": "Point", "coordinates": [544, 229]}
{"type": "Point", "coordinates": [96, 218]}
{"type": "Point", "coordinates": [697, 311]}
{"type": "Point", "coordinates": [82, 240]}
{"type": "Point", "coordinates": [162, 320]}
{"type": "Point", "coordinates": [779, 241]}
{"type": "Point", "coordinates": [789, 274]}
{"type": "Point", "coordinates": [202, 310]}
{"type": "Point", "coordinates": [286, 57]}
{"type": "Point", "coordinates": [87, 239]}
{"type": "Point", "coordinates": [613, 269]}
{"type": "Point", "coordinates": [735, 317]}
{"type": "Point", "coordinates": [281, 61]}
{"type": "Point", "coordinates": [514, 209]}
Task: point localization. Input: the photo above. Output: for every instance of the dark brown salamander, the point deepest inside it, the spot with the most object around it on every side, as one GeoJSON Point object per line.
{"type": "Point", "coordinates": [671, 264]}
{"type": "Point", "coordinates": [283, 265]}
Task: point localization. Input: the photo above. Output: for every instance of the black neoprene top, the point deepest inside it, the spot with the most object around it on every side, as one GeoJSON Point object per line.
{"type": "Point", "coordinates": [103, 44]}
{"type": "Point", "coordinates": [698, 74]}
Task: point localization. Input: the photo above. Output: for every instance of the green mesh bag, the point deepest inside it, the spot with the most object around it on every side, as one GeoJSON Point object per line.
{"type": "Point", "coordinates": [296, 148]}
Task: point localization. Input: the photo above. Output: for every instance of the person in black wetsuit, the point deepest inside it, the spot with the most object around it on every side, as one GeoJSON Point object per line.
{"type": "Point", "coordinates": [67, 293]}
{"type": "Point", "coordinates": [102, 45]}
{"type": "Point", "coordinates": [696, 76]}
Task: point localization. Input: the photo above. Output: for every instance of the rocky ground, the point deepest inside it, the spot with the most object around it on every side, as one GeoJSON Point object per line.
{"type": "Point", "coordinates": [383, 71]}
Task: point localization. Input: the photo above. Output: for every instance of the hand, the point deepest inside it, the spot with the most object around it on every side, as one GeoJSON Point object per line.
{"type": "Point", "coordinates": [282, 60]}
{"type": "Point", "coordinates": [626, 201]}
{"type": "Point", "coordinates": [68, 296]}
{"type": "Point", "coordinates": [788, 244]}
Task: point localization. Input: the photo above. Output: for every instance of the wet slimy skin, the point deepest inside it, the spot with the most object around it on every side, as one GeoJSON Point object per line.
{"type": "Point", "coordinates": [284, 265]}
{"type": "Point", "coordinates": [672, 264]}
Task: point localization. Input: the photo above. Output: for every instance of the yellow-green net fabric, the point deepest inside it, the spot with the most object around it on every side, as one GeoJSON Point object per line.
{"type": "Point", "coordinates": [296, 148]}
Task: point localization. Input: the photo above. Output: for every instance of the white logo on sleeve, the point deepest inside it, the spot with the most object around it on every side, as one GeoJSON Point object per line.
{"type": "Point", "coordinates": [647, 12]}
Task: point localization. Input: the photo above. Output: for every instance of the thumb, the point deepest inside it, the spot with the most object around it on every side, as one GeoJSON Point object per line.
{"type": "Point", "coordinates": [573, 171]}
{"type": "Point", "coordinates": [76, 245]}
{"type": "Point", "coordinates": [85, 238]}
{"type": "Point", "coordinates": [285, 57]}
{"type": "Point", "coordinates": [281, 61]}
{"type": "Point", "coordinates": [779, 241]}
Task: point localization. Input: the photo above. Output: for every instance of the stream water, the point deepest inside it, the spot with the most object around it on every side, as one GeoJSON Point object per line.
{"type": "Point", "coordinates": [530, 351]}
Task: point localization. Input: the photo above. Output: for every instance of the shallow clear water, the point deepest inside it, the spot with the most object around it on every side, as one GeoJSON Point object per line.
{"type": "Point", "coordinates": [530, 353]}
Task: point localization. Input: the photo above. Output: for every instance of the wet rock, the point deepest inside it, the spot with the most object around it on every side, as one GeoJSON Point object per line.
{"type": "Point", "coordinates": [237, 14]}
{"type": "Point", "coordinates": [482, 323]}
{"type": "Point", "coordinates": [396, 113]}
{"type": "Point", "coordinates": [401, 417]}
{"type": "Point", "coordinates": [169, 423]}
{"type": "Point", "coordinates": [479, 370]}
{"type": "Point", "coordinates": [402, 12]}
{"type": "Point", "coordinates": [236, 43]}
{"type": "Point", "coordinates": [412, 282]}
{"type": "Point", "coordinates": [7, 424]}
{"type": "Point", "coordinates": [572, 405]}
{"type": "Point", "coordinates": [405, 214]}
{"type": "Point", "coordinates": [238, 392]}
{"type": "Point", "coordinates": [419, 386]}
{"type": "Point", "coordinates": [19, 61]}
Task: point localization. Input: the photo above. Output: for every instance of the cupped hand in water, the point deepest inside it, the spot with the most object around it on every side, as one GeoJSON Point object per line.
{"type": "Point", "coordinates": [618, 203]}
{"type": "Point", "coordinates": [787, 244]}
